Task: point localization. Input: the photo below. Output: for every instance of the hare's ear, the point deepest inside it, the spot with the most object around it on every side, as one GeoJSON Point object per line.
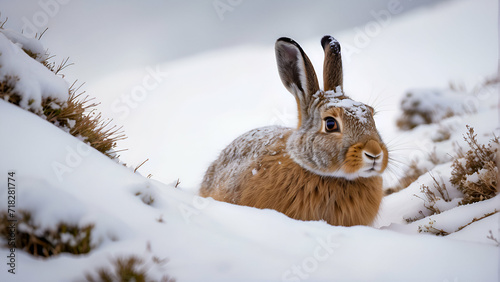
{"type": "Point", "coordinates": [296, 73]}
{"type": "Point", "coordinates": [332, 68]}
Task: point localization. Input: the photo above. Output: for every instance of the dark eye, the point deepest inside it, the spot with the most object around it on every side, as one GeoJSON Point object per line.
{"type": "Point", "coordinates": [331, 125]}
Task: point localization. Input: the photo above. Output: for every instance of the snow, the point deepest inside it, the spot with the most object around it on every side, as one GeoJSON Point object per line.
{"type": "Point", "coordinates": [455, 218]}
{"type": "Point", "coordinates": [32, 44]}
{"type": "Point", "coordinates": [333, 43]}
{"type": "Point", "coordinates": [436, 104]}
{"type": "Point", "coordinates": [61, 179]}
{"type": "Point", "coordinates": [32, 79]}
{"type": "Point", "coordinates": [474, 178]}
{"type": "Point", "coordinates": [332, 93]}
{"type": "Point", "coordinates": [353, 108]}
{"type": "Point", "coordinates": [218, 240]}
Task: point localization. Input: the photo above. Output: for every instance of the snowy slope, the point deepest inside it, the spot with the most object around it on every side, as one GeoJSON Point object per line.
{"type": "Point", "coordinates": [192, 108]}
{"type": "Point", "coordinates": [203, 239]}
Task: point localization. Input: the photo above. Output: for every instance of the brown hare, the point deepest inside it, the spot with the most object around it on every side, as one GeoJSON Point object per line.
{"type": "Point", "coordinates": [328, 168]}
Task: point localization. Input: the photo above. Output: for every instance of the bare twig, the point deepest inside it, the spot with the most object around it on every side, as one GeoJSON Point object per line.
{"type": "Point", "coordinates": [140, 165]}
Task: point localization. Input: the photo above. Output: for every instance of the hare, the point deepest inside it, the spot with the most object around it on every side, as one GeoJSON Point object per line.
{"type": "Point", "coordinates": [328, 168]}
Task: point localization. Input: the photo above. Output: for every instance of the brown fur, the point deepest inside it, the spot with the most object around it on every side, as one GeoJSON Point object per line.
{"type": "Point", "coordinates": [332, 68]}
{"type": "Point", "coordinates": [281, 184]}
{"type": "Point", "coordinates": [291, 70]}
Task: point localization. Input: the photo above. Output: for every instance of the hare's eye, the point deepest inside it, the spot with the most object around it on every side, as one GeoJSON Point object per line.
{"type": "Point", "coordinates": [331, 125]}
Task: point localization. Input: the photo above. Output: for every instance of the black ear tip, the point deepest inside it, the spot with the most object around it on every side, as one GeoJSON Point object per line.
{"type": "Point", "coordinates": [288, 44]}
{"type": "Point", "coordinates": [331, 42]}
{"type": "Point", "coordinates": [326, 40]}
{"type": "Point", "coordinates": [287, 40]}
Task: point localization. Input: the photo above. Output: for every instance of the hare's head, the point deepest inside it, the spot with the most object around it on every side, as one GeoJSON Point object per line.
{"type": "Point", "coordinates": [336, 136]}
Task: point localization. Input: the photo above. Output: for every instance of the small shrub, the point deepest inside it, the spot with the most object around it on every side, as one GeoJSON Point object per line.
{"type": "Point", "coordinates": [431, 199]}
{"type": "Point", "coordinates": [64, 238]}
{"type": "Point", "coordinates": [430, 106]}
{"type": "Point", "coordinates": [475, 172]}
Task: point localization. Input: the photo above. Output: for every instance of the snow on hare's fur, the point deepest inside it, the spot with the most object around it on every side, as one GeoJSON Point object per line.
{"type": "Point", "coordinates": [328, 168]}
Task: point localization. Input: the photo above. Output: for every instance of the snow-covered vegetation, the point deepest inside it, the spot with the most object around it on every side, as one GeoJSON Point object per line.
{"type": "Point", "coordinates": [72, 210]}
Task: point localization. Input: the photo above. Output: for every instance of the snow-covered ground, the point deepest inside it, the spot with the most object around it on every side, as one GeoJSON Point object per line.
{"type": "Point", "coordinates": [181, 114]}
{"type": "Point", "coordinates": [208, 240]}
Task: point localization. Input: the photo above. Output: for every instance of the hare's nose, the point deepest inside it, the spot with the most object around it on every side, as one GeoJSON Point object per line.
{"type": "Point", "coordinates": [372, 157]}
{"type": "Point", "coordinates": [372, 150]}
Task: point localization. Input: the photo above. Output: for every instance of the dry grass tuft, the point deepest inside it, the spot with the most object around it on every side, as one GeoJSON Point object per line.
{"type": "Point", "coordinates": [475, 172]}
{"type": "Point", "coordinates": [146, 198]}
{"type": "Point", "coordinates": [56, 69]}
{"type": "Point", "coordinates": [431, 197]}
{"type": "Point", "coordinates": [429, 228]}
{"type": "Point", "coordinates": [76, 116]}
{"type": "Point", "coordinates": [130, 268]}
{"type": "Point", "coordinates": [7, 90]}
{"type": "Point", "coordinates": [65, 238]}
{"type": "Point", "coordinates": [80, 119]}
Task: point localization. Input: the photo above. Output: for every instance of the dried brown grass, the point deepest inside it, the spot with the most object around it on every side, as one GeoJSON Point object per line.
{"type": "Point", "coordinates": [47, 242]}
{"type": "Point", "coordinates": [131, 268]}
{"type": "Point", "coordinates": [475, 172]}
{"type": "Point", "coordinates": [77, 115]}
